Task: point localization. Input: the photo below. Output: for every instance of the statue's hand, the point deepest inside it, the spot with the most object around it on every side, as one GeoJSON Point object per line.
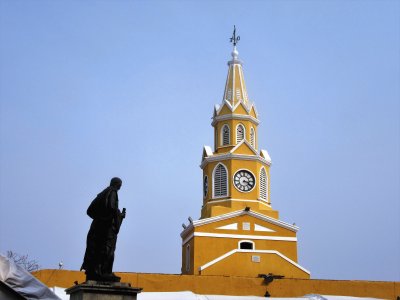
{"type": "Point", "coordinates": [123, 214]}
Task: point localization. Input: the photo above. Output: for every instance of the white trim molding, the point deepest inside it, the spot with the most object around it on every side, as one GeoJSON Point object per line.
{"type": "Point", "coordinates": [245, 236]}
{"type": "Point", "coordinates": [205, 266]}
{"type": "Point", "coordinates": [228, 156]}
{"type": "Point", "coordinates": [263, 202]}
{"type": "Point", "coordinates": [244, 141]}
{"type": "Point", "coordinates": [235, 117]}
{"type": "Point", "coordinates": [239, 213]}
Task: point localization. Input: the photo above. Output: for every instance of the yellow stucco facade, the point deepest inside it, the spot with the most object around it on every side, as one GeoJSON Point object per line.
{"type": "Point", "coordinates": [238, 233]}
{"type": "Point", "coordinates": [234, 285]}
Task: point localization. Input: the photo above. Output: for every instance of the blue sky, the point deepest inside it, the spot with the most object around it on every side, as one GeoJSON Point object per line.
{"type": "Point", "coordinates": [95, 89]}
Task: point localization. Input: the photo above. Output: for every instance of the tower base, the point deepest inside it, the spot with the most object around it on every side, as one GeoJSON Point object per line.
{"type": "Point", "coordinates": [95, 290]}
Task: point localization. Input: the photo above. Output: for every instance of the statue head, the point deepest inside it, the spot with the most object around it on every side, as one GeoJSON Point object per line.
{"type": "Point", "coordinates": [116, 183]}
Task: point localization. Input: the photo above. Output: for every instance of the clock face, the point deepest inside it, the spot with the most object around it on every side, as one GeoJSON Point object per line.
{"type": "Point", "coordinates": [244, 181]}
{"type": "Point", "coordinates": [205, 186]}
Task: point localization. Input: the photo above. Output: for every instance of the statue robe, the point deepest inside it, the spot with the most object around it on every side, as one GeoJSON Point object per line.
{"type": "Point", "coordinates": [102, 235]}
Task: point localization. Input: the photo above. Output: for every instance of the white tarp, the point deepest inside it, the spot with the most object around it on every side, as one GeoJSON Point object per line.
{"type": "Point", "coordinates": [23, 282]}
{"type": "Point", "coordinates": [191, 296]}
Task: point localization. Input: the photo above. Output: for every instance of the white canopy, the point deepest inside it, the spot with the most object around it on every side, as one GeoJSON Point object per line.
{"type": "Point", "coordinates": [21, 281]}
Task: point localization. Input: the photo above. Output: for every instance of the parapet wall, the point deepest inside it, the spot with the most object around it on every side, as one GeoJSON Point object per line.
{"type": "Point", "coordinates": [232, 285]}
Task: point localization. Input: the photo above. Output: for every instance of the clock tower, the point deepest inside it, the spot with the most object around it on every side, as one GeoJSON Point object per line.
{"type": "Point", "coordinates": [238, 233]}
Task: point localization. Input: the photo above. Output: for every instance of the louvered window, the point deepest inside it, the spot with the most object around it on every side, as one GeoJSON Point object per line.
{"type": "Point", "coordinates": [263, 184]}
{"type": "Point", "coordinates": [229, 94]}
{"type": "Point", "coordinates": [237, 94]}
{"type": "Point", "coordinates": [252, 137]}
{"type": "Point", "coordinates": [225, 135]}
{"type": "Point", "coordinates": [239, 133]}
{"type": "Point", "coordinates": [220, 181]}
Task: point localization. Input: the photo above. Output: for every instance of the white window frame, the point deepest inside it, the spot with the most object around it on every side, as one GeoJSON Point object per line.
{"type": "Point", "coordinates": [244, 132]}
{"type": "Point", "coordinates": [266, 184]}
{"type": "Point", "coordinates": [253, 137]}
{"type": "Point", "coordinates": [213, 181]}
{"type": "Point", "coordinates": [247, 241]}
{"type": "Point", "coordinates": [222, 136]}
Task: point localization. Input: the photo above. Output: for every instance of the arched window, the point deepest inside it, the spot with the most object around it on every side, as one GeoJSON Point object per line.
{"type": "Point", "coordinates": [248, 245]}
{"type": "Point", "coordinates": [263, 184]}
{"type": "Point", "coordinates": [239, 133]}
{"type": "Point", "coordinates": [187, 258]}
{"type": "Point", "coordinates": [220, 181]}
{"type": "Point", "coordinates": [225, 135]}
{"type": "Point", "coordinates": [252, 137]}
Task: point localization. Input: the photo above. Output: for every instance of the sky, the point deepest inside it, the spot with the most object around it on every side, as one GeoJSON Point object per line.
{"type": "Point", "coordinates": [90, 90]}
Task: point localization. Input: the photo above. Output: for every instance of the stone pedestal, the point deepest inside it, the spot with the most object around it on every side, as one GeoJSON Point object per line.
{"type": "Point", "coordinates": [95, 290]}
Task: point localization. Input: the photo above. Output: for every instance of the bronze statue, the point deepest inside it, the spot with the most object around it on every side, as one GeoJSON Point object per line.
{"type": "Point", "coordinates": [102, 235]}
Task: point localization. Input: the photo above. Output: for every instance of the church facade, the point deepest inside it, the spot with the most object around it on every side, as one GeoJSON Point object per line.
{"type": "Point", "coordinates": [238, 233]}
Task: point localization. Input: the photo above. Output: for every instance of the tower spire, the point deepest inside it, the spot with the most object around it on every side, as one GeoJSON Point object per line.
{"type": "Point", "coordinates": [235, 88]}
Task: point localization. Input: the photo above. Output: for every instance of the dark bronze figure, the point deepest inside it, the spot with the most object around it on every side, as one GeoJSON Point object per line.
{"type": "Point", "coordinates": [102, 235]}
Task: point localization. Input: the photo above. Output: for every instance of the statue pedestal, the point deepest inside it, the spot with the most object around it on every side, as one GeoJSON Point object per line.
{"type": "Point", "coordinates": [96, 290]}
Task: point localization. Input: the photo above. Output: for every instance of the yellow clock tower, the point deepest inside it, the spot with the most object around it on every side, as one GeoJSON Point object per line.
{"type": "Point", "coordinates": [238, 233]}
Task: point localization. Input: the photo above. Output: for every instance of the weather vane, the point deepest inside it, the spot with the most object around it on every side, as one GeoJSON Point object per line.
{"type": "Point", "coordinates": [234, 39]}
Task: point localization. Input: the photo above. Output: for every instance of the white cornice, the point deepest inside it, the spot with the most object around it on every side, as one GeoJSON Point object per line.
{"type": "Point", "coordinates": [239, 213]}
{"type": "Point", "coordinates": [261, 201]}
{"type": "Point", "coordinates": [235, 117]}
{"type": "Point", "coordinates": [250, 213]}
{"type": "Point", "coordinates": [221, 157]}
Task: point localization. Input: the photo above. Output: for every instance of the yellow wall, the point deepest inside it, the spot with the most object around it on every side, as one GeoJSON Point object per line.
{"type": "Point", "coordinates": [240, 264]}
{"type": "Point", "coordinates": [191, 258]}
{"type": "Point", "coordinates": [205, 249]}
{"type": "Point", "coordinates": [232, 285]}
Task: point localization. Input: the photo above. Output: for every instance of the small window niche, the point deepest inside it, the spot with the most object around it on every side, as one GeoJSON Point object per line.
{"type": "Point", "coordinates": [246, 245]}
{"type": "Point", "coordinates": [246, 226]}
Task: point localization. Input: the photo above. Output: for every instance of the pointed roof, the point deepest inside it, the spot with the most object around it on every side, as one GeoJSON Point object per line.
{"type": "Point", "coordinates": [235, 87]}
{"type": "Point", "coordinates": [233, 214]}
{"type": "Point", "coordinates": [244, 147]}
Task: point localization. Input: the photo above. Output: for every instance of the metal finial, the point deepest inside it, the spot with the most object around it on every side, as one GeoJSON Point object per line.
{"type": "Point", "coordinates": [234, 39]}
